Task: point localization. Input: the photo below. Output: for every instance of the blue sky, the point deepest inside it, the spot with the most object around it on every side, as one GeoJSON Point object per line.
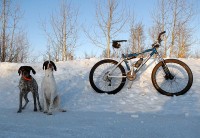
{"type": "Point", "coordinates": [37, 10]}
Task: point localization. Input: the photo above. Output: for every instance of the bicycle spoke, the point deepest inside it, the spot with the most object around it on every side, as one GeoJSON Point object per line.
{"type": "Point", "coordinates": [178, 83]}
{"type": "Point", "coordinates": [105, 83]}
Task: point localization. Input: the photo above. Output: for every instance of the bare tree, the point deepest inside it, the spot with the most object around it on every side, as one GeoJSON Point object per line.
{"type": "Point", "coordinates": [5, 6]}
{"type": "Point", "coordinates": [137, 37]}
{"type": "Point", "coordinates": [174, 16]}
{"type": "Point", "coordinates": [184, 37]}
{"type": "Point", "coordinates": [110, 21]}
{"type": "Point", "coordinates": [196, 54]}
{"type": "Point", "coordinates": [14, 43]}
{"type": "Point", "coordinates": [160, 17]}
{"type": "Point", "coordinates": [62, 36]}
{"type": "Point", "coordinates": [20, 49]}
{"type": "Point", "coordinates": [182, 15]}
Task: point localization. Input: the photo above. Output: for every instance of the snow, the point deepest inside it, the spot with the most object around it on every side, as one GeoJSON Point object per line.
{"type": "Point", "coordinates": [139, 112]}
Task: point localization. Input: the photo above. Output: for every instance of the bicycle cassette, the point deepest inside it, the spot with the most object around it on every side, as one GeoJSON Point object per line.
{"type": "Point", "coordinates": [130, 76]}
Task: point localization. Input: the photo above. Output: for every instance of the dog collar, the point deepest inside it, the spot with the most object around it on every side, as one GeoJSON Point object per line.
{"type": "Point", "coordinates": [25, 78]}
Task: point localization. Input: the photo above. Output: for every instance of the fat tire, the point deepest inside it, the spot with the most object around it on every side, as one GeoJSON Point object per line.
{"type": "Point", "coordinates": [167, 93]}
{"type": "Point", "coordinates": [109, 61]}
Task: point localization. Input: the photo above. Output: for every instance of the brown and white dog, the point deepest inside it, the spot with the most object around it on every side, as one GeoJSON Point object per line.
{"type": "Point", "coordinates": [27, 84]}
{"type": "Point", "coordinates": [51, 98]}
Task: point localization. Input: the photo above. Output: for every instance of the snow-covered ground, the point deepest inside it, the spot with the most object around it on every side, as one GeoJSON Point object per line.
{"type": "Point", "coordinates": [139, 112]}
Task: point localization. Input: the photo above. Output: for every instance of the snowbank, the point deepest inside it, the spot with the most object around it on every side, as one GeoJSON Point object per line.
{"type": "Point", "coordinates": [137, 112]}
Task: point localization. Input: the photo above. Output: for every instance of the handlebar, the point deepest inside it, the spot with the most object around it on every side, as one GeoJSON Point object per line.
{"type": "Point", "coordinates": [159, 36]}
{"type": "Point", "coordinates": [159, 40]}
{"type": "Point", "coordinates": [119, 41]}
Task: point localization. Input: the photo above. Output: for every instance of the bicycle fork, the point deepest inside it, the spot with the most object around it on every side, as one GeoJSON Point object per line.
{"type": "Point", "coordinates": [168, 74]}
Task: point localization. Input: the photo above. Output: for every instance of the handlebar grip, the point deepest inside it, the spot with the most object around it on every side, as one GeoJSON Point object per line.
{"type": "Point", "coordinates": [119, 40]}
{"type": "Point", "coordinates": [159, 39]}
{"type": "Point", "coordinates": [163, 32]}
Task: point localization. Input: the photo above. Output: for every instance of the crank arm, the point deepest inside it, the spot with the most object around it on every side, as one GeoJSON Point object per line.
{"type": "Point", "coordinates": [116, 76]}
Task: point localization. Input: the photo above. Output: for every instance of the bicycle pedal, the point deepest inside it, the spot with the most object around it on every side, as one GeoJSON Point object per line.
{"type": "Point", "coordinates": [130, 84]}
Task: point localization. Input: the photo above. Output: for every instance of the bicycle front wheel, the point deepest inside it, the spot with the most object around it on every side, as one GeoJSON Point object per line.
{"type": "Point", "coordinates": [103, 80]}
{"type": "Point", "coordinates": [178, 83]}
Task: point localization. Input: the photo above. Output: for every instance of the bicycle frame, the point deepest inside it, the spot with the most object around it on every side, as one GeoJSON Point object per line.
{"type": "Point", "coordinates": [127, 57]}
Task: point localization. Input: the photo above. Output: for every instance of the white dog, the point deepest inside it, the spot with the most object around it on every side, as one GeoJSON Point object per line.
{"type": "Point", "coordinates": [50, 97]}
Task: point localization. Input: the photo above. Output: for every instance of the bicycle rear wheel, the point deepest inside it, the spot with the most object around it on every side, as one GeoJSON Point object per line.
{"type": "Point", "coordinates": [177, 84]}
{"type": "Point", "coordinates": [100, 80]}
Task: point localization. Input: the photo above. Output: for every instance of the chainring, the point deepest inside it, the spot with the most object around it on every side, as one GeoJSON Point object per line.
{"type": "Point", "coordinates": [131, 77]}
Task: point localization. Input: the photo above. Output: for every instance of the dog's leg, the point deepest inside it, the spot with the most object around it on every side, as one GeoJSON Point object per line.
{"type": "Point", "coordinates": [57, 104]}
{"type": "Point", "coordinates": [26, 99]}
{"type": "Point", "coordinates": [45, 103]}
{"type": "Point", "coordinates": [51, 105]}
{"type": "Point", "coordinates": [20, 102]}
{"type": "Point", "coordinates": [38, 100]}
{"type": "Point", "coordinates": [34, 98]}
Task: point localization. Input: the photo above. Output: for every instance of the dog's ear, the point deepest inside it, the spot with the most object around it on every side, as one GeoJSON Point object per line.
{"type": "Point", "coordinates": [54, 66]}
{"type": "Point", "coordinates": [45, 65]}
{"type": "Point", "coordinates": [33, 71]}
{"type": "Point", "coordinates": [19, 70]}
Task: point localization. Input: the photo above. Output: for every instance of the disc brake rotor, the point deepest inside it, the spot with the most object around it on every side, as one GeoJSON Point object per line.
{"type": "Point", "coordinates": [107, 79]}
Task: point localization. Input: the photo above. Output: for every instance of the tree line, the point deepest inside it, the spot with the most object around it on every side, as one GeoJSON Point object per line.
{"type": "Point", "coordinates": [14, 45]}
{"type": "Point", "coordinates": [112, 18]}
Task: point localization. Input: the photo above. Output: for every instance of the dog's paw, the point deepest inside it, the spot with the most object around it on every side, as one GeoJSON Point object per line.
{"type": "Point", "coordinates": [19, 111]}
{"type": "Point", "coordinates": [49, 113]}
{"type": "Point", "coordinates": [40, 109]}
{"type": "Point", "coordinates": [62, 110]}
{"type": "Point", "coordinates": [45, 111]}
{"type": "Point", "coordinates": [35, 110]}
